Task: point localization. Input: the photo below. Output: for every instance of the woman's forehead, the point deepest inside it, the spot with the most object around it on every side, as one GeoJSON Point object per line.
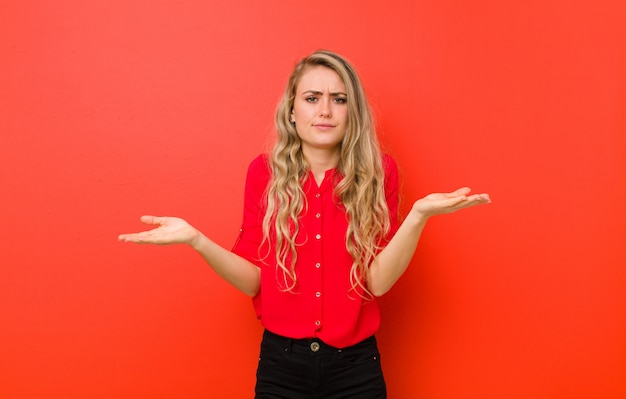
{"type": "Point", "coordinates": [320, 79]}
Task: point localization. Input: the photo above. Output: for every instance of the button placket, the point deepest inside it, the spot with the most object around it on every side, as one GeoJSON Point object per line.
{"type": "Point", "coordinates": [316, 212]}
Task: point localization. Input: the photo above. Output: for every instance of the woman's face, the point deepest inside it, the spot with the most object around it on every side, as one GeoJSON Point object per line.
{"type": "Point", "coordinates": [320, 110]}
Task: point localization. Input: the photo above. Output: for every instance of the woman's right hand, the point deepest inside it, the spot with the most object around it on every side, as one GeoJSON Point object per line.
{"type": "Point", "coordinates": [170, 230]}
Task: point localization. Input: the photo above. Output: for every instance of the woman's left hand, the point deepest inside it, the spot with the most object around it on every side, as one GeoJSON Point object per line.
{"type": "Point", "coordinates": [441, 203]}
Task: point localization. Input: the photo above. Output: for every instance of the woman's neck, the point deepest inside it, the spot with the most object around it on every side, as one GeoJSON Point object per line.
{"type": "Point", "coordinates": [320, 161]}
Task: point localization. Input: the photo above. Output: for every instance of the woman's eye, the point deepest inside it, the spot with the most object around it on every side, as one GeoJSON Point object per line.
{"type": "Point", "coordinates": [341, 100]}
{"type": "Point", "coordinates": [311, 99]}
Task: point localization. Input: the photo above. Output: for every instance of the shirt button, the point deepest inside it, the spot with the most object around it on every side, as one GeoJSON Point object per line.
{"type": "Point", "coordinates": [318, 236]}
{"type": "Point", "coordinates": [318, 215]}
{"type": "Point", "coordinates": [317, 322]}
{"type": "Point", "coordinates": [318, 294]}
{"type": "Point", "coordinates": [318, 265]}
{"type": "Point", "coordinates": [317, 195]}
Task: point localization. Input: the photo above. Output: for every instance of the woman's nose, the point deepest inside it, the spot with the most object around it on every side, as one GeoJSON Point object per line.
{"type": "Point", "coordinates": [325, 108]}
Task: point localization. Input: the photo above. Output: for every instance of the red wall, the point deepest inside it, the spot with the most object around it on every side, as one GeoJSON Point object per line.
{"type": "Point", "coordinates": [112, 109]}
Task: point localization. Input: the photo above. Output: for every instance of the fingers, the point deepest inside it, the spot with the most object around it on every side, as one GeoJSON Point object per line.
{"type": "Point", "coordinates": [459, 199]}
{"type": "Point", "coordinates": [125, 237]}
{"type": "Point", "coordinates": [482, 198]}
{"type": "Point", "coordinates": [473, 200]}
{"type": "Point", "coordinates": [144, 236]}
{"type": "Point", "coordinates": [132, 237]}
{"type": "Point", "coordinates": [153, 220]}
{"type": "Point", "coordinates": [461, 191]}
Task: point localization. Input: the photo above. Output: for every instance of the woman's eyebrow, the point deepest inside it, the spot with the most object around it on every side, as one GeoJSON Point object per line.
{"type": "Point", "coordinates": [319, 93]}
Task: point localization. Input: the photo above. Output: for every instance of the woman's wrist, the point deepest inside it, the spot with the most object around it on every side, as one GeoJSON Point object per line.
{"type": "Point", "coordinates": [417, 217]}
{"type": "Point", "coordinates": [196, 240]}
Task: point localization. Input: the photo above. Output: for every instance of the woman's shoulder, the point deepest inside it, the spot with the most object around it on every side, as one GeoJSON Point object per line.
{"type": "Point", "coordinates": [262, 161]}
{"type": "Point", "coordinates": [389, 164]}
{"type": "Point", "coordinates": [260, 166]}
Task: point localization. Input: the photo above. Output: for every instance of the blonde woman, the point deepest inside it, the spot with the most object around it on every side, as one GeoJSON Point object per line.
{"type": "Point", "coordinates": [320, 238]}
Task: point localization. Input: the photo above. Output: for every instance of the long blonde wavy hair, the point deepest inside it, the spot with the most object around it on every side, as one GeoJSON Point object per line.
{"type": "Point", "coordinates": [361, 189]}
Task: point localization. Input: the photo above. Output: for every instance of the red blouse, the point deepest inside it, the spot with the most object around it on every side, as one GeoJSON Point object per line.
{"type": "Point", "coordinates": [322, 304]}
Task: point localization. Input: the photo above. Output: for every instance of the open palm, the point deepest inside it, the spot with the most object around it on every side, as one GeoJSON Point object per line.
{"type": "Point", "coordinates": [170, 230]}
{"type": "Point", "coordinates": [441, 203]}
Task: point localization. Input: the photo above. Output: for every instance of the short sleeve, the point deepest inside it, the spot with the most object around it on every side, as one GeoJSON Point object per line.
{"type": "Point", "coordinates": [392, 194]}
{"type": "Point", "coordinates": [251, 233]}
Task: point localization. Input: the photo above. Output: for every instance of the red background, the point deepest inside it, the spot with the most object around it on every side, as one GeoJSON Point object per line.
{"type": "Point", "coordinates": [113, 109]}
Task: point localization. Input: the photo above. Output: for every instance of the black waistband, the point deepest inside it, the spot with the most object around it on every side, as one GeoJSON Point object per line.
{"type": "Point", "coordinates": [304, 344]}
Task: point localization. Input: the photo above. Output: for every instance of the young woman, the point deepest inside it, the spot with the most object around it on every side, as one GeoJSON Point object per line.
{"type": "Point", "coordinates": [320, 238]}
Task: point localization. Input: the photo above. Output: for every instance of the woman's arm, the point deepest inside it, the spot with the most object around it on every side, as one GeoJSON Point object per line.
{"type": "Point", "coordinates": [393, 260]}
{"type": "Point", "coordinates": [239, 272]}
